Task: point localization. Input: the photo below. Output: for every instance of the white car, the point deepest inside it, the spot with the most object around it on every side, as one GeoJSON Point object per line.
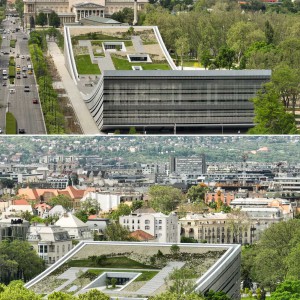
{"type": "Point", "coordinates": [23, 56]}
{"type": "Point", "coordinates": [1, 131]}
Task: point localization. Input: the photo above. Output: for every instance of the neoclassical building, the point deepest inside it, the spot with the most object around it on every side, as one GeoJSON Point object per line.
{"type": "Point", "coordinates": [71, 11]}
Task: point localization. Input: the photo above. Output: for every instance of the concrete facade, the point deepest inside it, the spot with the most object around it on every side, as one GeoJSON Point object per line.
{"type": "Point", "coordinates": [164, 228]}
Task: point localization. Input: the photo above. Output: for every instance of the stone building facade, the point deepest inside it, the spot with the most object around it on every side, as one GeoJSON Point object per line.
{"type": "Point", "coordinates": [73, 11]}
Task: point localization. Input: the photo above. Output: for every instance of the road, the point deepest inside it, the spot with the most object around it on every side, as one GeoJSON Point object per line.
{"type": "Point", "coordinates": [29, 115]}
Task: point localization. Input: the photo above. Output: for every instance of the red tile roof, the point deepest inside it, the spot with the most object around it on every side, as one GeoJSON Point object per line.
{"type": "Point", "coordinates": [142, 235]}
{"type": "Point", "coordinates": [21, 202]}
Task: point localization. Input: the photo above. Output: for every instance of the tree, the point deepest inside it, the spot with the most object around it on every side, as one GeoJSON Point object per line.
{"type": "Point", "coordinates": [286, 81]}
{"type": "Point", "coordinates": [236, 37]}
{"type": "Point", "coordinates": [269, 32]}
{"type": "Point", "coordinates": [205, 58]}
{"type": "Point", "coordinates": [182, 48]}
{"type": "Point", "coordinates": [181, 281]}
{"type": "Point", "coordinates": [124, 16]}
{"type": "Point", "coordinates": [132, 130]}
{"type": "Point", "coordinates": [175, 250]}
{"type": "Point", "coordinates": [90, 206]}
{"type": "Point", "coordinates": [31, 22]}
{"type": "Point", "coordinates": [82, 215]}
{"type": "Point", "coordinates": [238, 222]}
{"type": "Point", "coordinates": [274, 253]}
{"type": "Point", "coordinates": [122, 210]}
{"type": "Point", "coordinates": [54, 19]}
{"type": "Point", "coordinates": [62, 200]}
{"type": "Point", "coordinates": [73, 179]}
{"type": "Point", "coordinates": [16, 291]}
{"type": "Point", "coordinates": [164, 198]}
{"type": "Point", "coordinates": [93, 295]}
{"type": "Point", "coordinates": [196, 193]}
{"type": "Point", "coordinates": [212, 295]}
{"type": "Point", "coordinates": [225, 58]}
{"type": "Point", "coordinates": [175, 296]}
{"type": "Point", "coordinates": [29, 264]}
{"type": "Point", "coordinates": [7, 183]}
{"type": "Point", "coordinates": [41, 19]}
{"type": "Point", "coordinates": [270, 115]}
{"type": "Point", "coordinates": [287, 290]}
{"type": "Point", "coordinates": [60, 296]}
{"type": "Point", "coordinates": [136, 204]}
{"type": "Point", "coordinates": [116, 232]}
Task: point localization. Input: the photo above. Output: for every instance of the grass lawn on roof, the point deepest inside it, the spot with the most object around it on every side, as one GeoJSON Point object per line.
{"type": "Point", "coordinates": [85, 66]}
{"type": "Point", "coordinates": [124, 64]}
{"type": "Point", "coordinates": [110, 262]}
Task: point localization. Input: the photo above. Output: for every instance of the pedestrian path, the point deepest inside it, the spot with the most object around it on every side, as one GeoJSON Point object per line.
{"type": "Point", "coordinates": [138, 44]}
{"type": "Point", "coordinates": [70, 275]}
{"type": "Point", "coordinates": [85, 119]}
{"type": "Point", "coordinates": [106, 63]}
{"type": "Point", "coordinates": [159, 279]}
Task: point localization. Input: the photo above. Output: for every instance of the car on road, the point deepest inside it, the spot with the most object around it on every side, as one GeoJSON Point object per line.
{"type": "Point", "coordinates": [18, 76]}
{"type": "Point", "coordinates": [4, 83]}
{"type": "Point", "coordinates": [18, 55]}
{"type": "Point", "coordinates": [24, 75]}
{"type": "Point", "coordinates": [26, 88]}
{"type": "Point", "coordinates": [23, 56]}
{"type": "Point", "coordinates": [1, 131]}
{"type": "Point", "coordinates": [25, 38]}
{"type": "Point", "coordinates": [35, 101]}
{"type": "Point", "coordinates": [21, 131]}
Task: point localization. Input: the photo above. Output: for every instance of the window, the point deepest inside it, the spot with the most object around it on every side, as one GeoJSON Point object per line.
{"type": "Point", "coordinates": [160, 222]}
{"type": "Point", "coordinates": [147, 221]}
{"type": "Point", "coordinates": [147, 227]}
{"type": "Point", "coordinates": [57, 249]}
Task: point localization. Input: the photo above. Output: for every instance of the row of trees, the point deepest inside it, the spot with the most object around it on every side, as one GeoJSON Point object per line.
{"type": "Point", "coordinates": [54, 119]}
{"type": "Point", "coordinates": [42, 19]}
{"type": "Point", "coordinates": [227, 38]}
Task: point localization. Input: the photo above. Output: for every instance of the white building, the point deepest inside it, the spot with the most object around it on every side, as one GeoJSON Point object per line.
{"type": "Point", "coordinates": [57, 211]}
{"type": "Point", "coordinates": [164, 228]}
{"type": "Point", "coordinates": [286, 182]}
{"type": "Point", "coordinates": [106, 201]}
{"type": "Point", "coordinates": [50, 242]}
{"type": "Point", "coordinates": [75, 227]}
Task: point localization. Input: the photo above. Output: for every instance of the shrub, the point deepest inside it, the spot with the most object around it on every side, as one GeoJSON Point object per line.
{"type": "Point", "coordinates": [11, 123]}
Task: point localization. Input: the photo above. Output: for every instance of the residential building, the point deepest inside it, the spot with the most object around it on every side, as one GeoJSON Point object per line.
{"type": "Point", "coordinates": [163, 227]}
{"type": "Point", "coordinates": [188, 165]}
{"type": "Point", "coordinates": [13, 229]}
{"type": "Point", "coordinates": [76, 228]}
{"type": "Point", "coordinates": [110, 201]}
{"type": "Point", "coordinates": [51, 242]}
{"type": "Point", "coordinates": [214, 228]}
{"type": "Point", "coordinates": [219, 195]}
{"type": "Point", "coordinates": [287, 182]}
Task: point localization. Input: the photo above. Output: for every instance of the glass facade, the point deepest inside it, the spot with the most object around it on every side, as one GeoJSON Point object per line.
{"type": "Point", "coordinates": [181, 97]}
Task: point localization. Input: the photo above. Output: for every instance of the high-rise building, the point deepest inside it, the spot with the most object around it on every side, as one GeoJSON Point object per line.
{"type": "Point", "coordinates": [188, 165]}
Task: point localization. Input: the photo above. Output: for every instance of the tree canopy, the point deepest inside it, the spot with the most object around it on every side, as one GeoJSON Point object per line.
{"type": "Point", "coordinates": [164, 198]}
{"type": "Point", "coordinates": [274, 258]}
{"type": "Point", "coordinates": [19, 261]}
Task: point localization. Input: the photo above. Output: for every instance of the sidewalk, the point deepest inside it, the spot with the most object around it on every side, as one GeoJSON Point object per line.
{"type": "Point", "coordinates": [85, 119]}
